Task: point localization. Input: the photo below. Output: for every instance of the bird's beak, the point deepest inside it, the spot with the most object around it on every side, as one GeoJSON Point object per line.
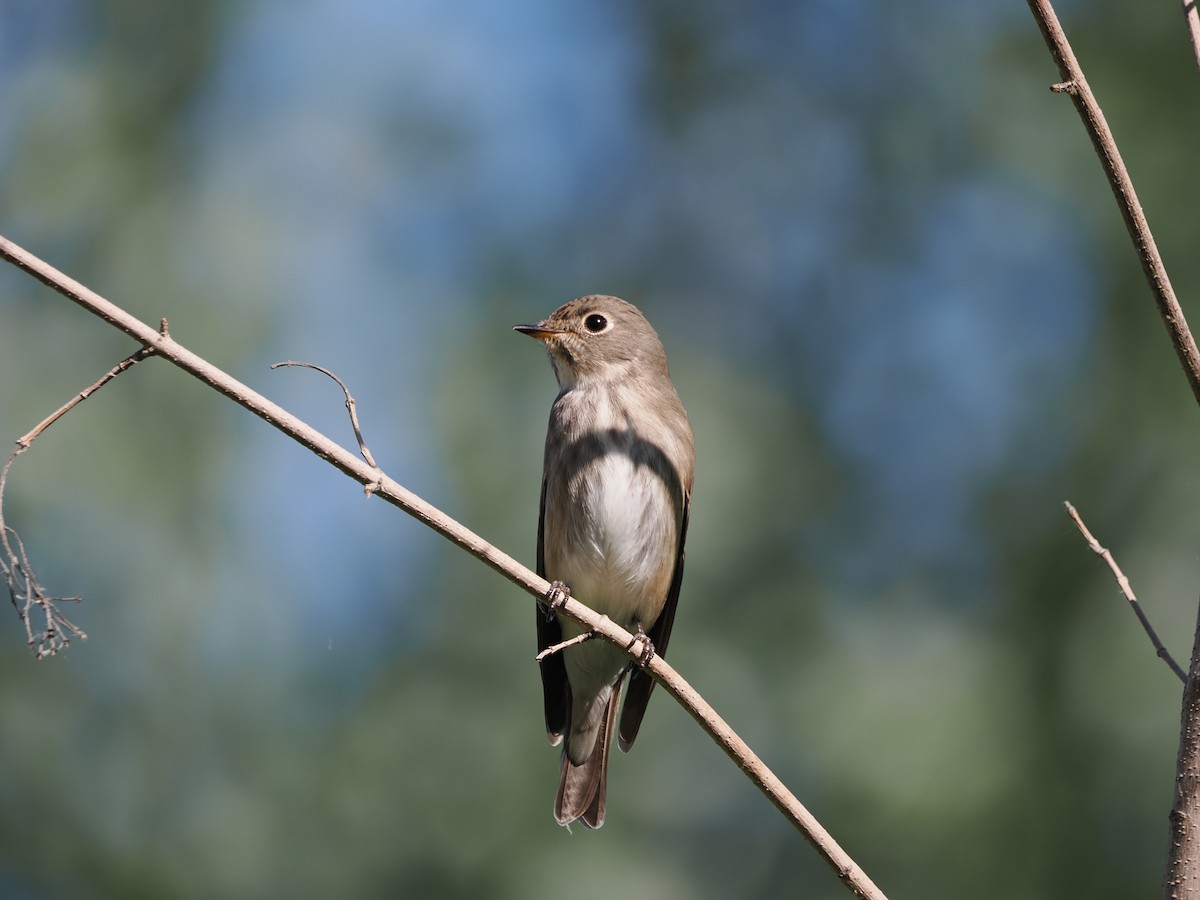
{"type": "Point", "coordinates": [540, 331]}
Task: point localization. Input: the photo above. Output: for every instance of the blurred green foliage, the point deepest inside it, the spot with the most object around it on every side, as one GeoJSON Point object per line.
{"type": "Point", "coordinates": [899, 305]}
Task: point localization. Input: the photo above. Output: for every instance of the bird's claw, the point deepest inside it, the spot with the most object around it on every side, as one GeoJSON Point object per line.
{"type": "Point", "coordinates": [646, 653]}
{"type": "Point", "coordinates": [557, 595]}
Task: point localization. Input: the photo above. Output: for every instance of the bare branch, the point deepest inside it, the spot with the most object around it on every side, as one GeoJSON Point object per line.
{"type": "Point", "coordinates": [755, 769]}
{"type": "Point", "coordinates": [1192, 16]}
{"type": "Point", "coordinates": [1181, 879]}
{"type": "Point", "coordinates": [24, 590]}
{"type": "Point", "coordinates": [1127, 590]}
{"type": "Point", "coordinates": [1182, 876]}
{"type": "Point", "coordinates": [1075, 85]}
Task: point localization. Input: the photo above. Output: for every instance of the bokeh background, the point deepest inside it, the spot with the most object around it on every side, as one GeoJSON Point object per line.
{"type": "Point", "coordinates": [898, 303]}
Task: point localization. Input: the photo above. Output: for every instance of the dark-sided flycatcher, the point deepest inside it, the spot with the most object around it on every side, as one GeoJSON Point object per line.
{"type": "Point", "coordinates": [616, 484]}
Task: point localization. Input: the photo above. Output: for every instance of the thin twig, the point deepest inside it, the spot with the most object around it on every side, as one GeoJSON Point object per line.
{"type": "Point", "coordinates": [1127, 590]}
{"type": "Point", "coordinates": [560, 647]}
{"type": "Point", "coordinates": [850, 873]}
{"type": "Point", "coordinates": [1075, 85]}
{"type": "Point", "coordinates": [351, 407]}
{"type": "Point", "coordinates": [24, 590]}
{"type": "Point", "coordinates": [24, 442]}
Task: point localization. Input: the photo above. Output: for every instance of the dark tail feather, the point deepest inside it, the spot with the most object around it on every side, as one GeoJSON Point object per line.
{"type": "Point", "coordinates": [581, 789]}
{"type": "Point", "coordinates": [636, 698]}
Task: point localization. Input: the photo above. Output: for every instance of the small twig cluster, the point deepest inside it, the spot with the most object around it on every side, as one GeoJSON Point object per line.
{"type": "Point", "coordinates": [31, 600]}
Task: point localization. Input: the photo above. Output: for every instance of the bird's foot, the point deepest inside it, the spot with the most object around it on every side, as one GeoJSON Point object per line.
{"type": "Point", "coordinates": [556, 596]}
{"type": "Point", "coordinates": [647, 651]}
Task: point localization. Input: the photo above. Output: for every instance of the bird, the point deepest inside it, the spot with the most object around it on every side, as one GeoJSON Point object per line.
{"type": "Point", "coordinates": [612, 522]}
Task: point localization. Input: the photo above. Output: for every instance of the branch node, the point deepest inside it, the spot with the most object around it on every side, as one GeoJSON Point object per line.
{"type": "Point", "coordinates": [1065, 87]}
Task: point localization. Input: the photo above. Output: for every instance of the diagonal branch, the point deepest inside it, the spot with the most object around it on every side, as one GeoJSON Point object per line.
{"type": "Point", "coordinates": [162, 344]}
{"type": "Point", "coordinates": [1077, 87]}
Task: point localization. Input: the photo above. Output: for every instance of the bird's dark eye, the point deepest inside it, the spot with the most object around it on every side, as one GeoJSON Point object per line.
{"type": "Point", "coordinates": [595, 323]}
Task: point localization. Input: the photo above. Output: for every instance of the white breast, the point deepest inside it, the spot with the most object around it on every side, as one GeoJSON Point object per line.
{"type": "Point", "coordinates": [624, 553]}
